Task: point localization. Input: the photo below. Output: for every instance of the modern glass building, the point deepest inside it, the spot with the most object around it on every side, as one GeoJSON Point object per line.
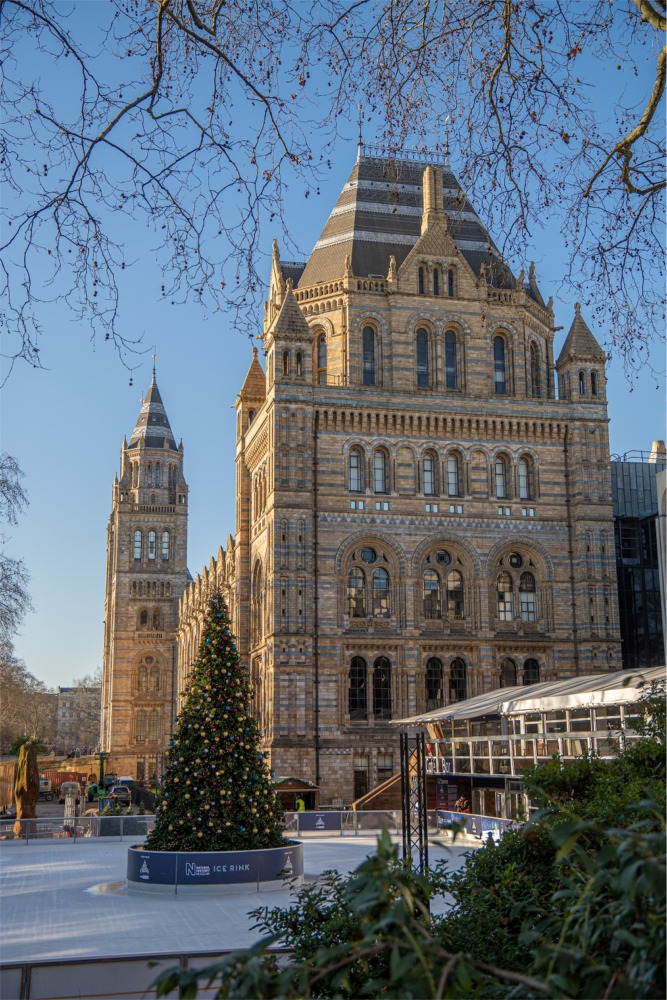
{"type": "Point", "coordinates": [635, 499]}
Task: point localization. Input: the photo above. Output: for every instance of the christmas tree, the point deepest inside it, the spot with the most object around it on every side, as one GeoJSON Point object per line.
{"type": "Point", "coordinates": [216, 793]}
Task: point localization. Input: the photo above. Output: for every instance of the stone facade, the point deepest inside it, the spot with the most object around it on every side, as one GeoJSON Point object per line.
{"type": "Point", "coordinates": [146, 576]}
{"type": "Point", "coordinates": [421, 515]}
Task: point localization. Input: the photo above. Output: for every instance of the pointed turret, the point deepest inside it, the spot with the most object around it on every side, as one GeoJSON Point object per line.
{"type": "Point", "coordinates": [581, 363]}
{"type": "Point", "coordinates": [152, 428]}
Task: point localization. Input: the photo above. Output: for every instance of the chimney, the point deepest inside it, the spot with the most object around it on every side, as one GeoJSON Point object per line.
{"type": "Point", "coordinates": [434, 206]}
{"type": "Point", "coordinates": [658, 452]}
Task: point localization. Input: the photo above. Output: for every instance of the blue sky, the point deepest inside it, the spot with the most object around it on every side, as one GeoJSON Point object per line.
{"type": "Point", "coordinates": [65, 424]}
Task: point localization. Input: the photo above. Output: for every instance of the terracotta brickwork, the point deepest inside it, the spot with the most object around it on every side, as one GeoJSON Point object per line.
{"type": "Point", "coordinates": [423, 514]}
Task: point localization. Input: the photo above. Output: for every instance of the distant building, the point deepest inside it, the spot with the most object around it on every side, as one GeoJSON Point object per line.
{"type": "Point", "coordinates": [78, 721]}
{"type": "Point", "coordinates": [634, 483]}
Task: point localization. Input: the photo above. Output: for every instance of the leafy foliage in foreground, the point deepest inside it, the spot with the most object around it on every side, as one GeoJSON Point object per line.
{"type": "Point", "coordinates": [569, 906]}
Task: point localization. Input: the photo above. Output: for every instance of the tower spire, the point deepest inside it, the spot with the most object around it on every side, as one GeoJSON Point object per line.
{"type": "Point", "coordinates": [359, 137]}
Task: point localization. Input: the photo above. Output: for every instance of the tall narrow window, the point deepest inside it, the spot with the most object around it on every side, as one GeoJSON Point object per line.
{"type": "Point", "coordinates": [321, 360]}
{"type": "Point", "coordinates": [422, 358]}
{"type": "Point", "coordinates": [143, 618]}
{"type": "Point", "coordinates": [458, 686]}
{"type": "Point", "coordinates": [582, 384]}
{"type": "Point", "coordinates": [354, 478]}
{"type": "Point", "coordinates": [140, 726]}
{"type": "Point", "coordinates": [499, 366]}
{"type": "Point", "coordinates": [149, 474]}
{"type": "Point", "coordinates": [382, 688]}
{"type": "Point", "coordinates": [436, 280]}
{"type": "Point", "coordinates": [153, 724]}
{"type": "Point", "coordinates": [158, 474]}
{"type": "Point", "coordinates": [137, 545]}
{"type": "Point", "coordinates": [508, 673]}
{"type": "Point", "coordinates": [380, 593]}
{"type": "Point", "coordinates": [531, 672]}
{"type": "Point", "coordinates": [535, 379]}
{"type": "Point", "coordinates": [421, 281]}
{"type": "Point", "coordinates": [285, 362]}
{"type": "Point", "coordinates": [357, 693]}
{"type": "Point", "coordinates": [165, 545]}
{"type": "Point", "coordinates": [155, 680]}
{"type": "Point", "coordinates": [379, 472]}
{"type": "Point", "coordinates": [356, 593]}
{"type": "Point", "coordinates": [505, 597]}
{"type": "Point", "coordinates": [525, 491]}
{"type": "Point", "coordinates": [434, 684]}
{"type": "Point", "coordinates": [501, 478]}
{"type": "Point", "coordinates": [152, 544]}
{"type": "Point", "coordinates": [455, 596]}
{"type": "Point", "coordinates": [453, 476]}
{"type": "Point", "coordinates": [431, 595]}
{"type": "Point", "coordinates": [450, 283]}
{"type": "Point", "coordinates": [368, 351]}
{"type": "Point", "coordinates": [299, 364]}
{"type": "Point", "coordinates": [527, 598]}
{"type": "Point", "coordinates": [142, 679]}
{"type": "Point", "coordinates": [594, 383]}
{"type": "Point", "coordinates": [429, 475]}
{"type": "Point", "coordinates": [451, 364]}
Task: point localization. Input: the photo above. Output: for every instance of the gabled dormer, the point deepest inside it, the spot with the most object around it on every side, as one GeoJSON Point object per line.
{"type": "Point", "coordinates": [581, 364]}
{"type": "Point", "coordinates": [288, 342]}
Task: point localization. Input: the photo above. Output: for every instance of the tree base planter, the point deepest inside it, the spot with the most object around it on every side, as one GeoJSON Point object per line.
{"type": "Point", "coordinates": [215, 871]}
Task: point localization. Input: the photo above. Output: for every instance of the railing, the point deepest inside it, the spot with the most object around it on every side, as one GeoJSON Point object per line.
{"type": "Point", "coordinates": [75, 828]}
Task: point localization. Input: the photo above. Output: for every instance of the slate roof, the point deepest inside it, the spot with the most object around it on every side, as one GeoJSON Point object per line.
{"type": "Point", "coordinates": [378, 214]}
{"type": "Point", "coordinates": [152, 429]}
{"type": "Point", "coordinates": [291, 323]}
{"type": "Point", "coordinates": [580, 342]}
{"type": "Point", "coordinates": [254, 384]}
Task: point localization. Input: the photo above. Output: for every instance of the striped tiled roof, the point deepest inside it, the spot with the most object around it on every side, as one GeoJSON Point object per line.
{"type": "Point", "coordinates": [378, 214]}
{"type": "Point", "coordinates": [152, 428]}
{"type": "Point", "coordinates": [580, 342]}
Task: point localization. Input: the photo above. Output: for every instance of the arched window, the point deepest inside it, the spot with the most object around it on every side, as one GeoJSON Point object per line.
{"type": "Point", "coordinates": [142, 679]}
{"type": "Point", "coordinates": [422, 357]}
{"type": "Point", "coordinates": [434, 684]}
{"type": "Point", "coordinates": [525, 484]}
{"type": "Point", "coordinates": [152, 544]}
{"type": "Point", "coordinates": [458, 686]}
{"type": "Point", "coordinates": [368, 355]}
{"type": "Point", "coordinates": [157, 622]}
{"type": "Point", "coordinates": [430, 466]}
{"type": "Point", "coordinates": [432, 608]}
{"type": "Point", "coordinates": [505, 597]}
{"type": "Point", "coordinates": [354, 470]}
{"type": "Point", "coordinates": [149, 474]}
{"type": "Point", "coordinates": [165, 544]}
{"type": "Point", "coordinates": [531, 672]}
{"type": "Point", "coordinates": [501, 478]}
{"type": "Point", "coordinates": [257, 604]}
{"type": "Point", "coordinates": [421, 280]}
{"type": "Point", "coordinates": [594, 383]}
{"type": "Point", "coordinates": [527, 598]}
{"type": "Point", "coordinates": [251, 416]}
{"type": "Point", "coordinates": [357, 693]}
{"type": "Point", "coordinates": [321, 371]}
{"type": "Point", "coordinates": [155, 680]}
{"type": "Point", "coordinates": [535, 369]}
{"type": "Point", "coordinates": [143, 618]}
{"type": "Point", "coordinates": [379, 472]}
{"type": "Point", "coordinates": [436, 280]}
{"type": "Point", "coordinates": [140, 726]}
{"type": "Point", "coordinates": [356, 593]}
{"type": "Point", "coordinates": [451, 361]}
{"type": "Point", "coordinates": [380, 593]}
{"type": "Point", "coordinates": [382, 688]}
{"type": "Point", "coordinates": [172, 476]}
{"type": "Point", "coordinates": [499, 366]}
{"type": "Point", "coordinates": [455, 595]}
{"type": "Point", "coordinates": [508, 673]}
{"type": "Point", "coordinates": [582, 384]}
{"type": "Point", "coordinates": [453, 479]}
{"type": "Point", "coordinates": [450, 282]}
{"type": "Point", "coordinates": [299, 364]}
{"type": "Point", "coordinates": [153, 725]}
{"type": "Point", "coordinates": [137, 545]}
{"type": "Point", "coordinates": [158, 474]}
{"type": "Point", "coordinates": [285, 362]}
